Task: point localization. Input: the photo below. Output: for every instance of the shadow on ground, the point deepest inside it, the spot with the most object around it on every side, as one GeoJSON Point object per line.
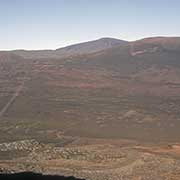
{"type": "Point", "coordinates": [33, 176]}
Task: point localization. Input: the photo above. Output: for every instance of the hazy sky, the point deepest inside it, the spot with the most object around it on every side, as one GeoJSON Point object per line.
{"type": "Point", "coordinates": [49, 24]}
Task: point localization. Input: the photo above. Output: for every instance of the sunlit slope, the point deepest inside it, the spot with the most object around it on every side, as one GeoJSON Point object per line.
{"type": "Point", "coordinates": [129, 91]}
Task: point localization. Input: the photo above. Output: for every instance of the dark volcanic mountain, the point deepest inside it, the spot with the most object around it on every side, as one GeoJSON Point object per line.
{"type": "Point", "coordinates": [77, 49]}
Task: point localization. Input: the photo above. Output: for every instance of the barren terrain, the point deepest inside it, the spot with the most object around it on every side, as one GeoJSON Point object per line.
{"type": "Point", "coordinates": [110, 114]}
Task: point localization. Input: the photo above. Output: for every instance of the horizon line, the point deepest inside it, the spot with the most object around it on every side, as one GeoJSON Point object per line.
{"type": "Point", "coordinates": [81, 42]}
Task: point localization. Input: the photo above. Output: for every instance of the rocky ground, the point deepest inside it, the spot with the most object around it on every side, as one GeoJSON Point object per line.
{"type": "Point", "coordinates": [93, 159]}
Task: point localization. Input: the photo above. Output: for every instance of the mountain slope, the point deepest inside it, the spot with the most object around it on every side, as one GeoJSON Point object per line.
{"type": "Point", "coordinates": [156, 43]}
{"type": "Point", "coordinates": [81, 48]}
{"type": "Point", "coordinates": [130, 88]}
{"type": "Point", "coordinates": [92, 46]}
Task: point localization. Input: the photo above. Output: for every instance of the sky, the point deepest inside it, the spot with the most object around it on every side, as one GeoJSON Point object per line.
{"type": "Point", "coordinates": [51, 24]}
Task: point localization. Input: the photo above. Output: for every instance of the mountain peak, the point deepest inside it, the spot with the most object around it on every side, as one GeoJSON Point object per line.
{"type": "Point", "coordinates": [91, 46]}
{"type": "Point", "coordinates": [110, 39]}
{"type": "Point", "coordinates": [73, 50]}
